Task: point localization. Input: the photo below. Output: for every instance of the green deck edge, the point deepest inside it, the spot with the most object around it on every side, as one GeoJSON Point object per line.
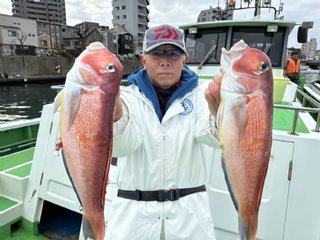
{"type": "Point", "coordinates": [14, 137]}
{"type": "Point", "coordinates": [22, 171]}
{"type": "Point", "coordinates": [6, 203]}
{"type": "Point", "coordinates": [21, 230]}
{"type": "Point", "coordinates": [15, 159]}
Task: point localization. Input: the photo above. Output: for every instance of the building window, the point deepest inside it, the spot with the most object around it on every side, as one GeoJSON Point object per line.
{"type": "Point", "coordinates": [124, 16]}
{"type": "Point", "coordinates": [12, 33]}
{"type": "Point", "coordinates": [117, 8]}
{"type": "Point", "coordinates": [67, 43]}
{"type": "Point", "coordinates": [123, 7]}
{"type": "Point", "coordinates": [43, 43]}
{"type": "Point", "coordinates": [116, 17]}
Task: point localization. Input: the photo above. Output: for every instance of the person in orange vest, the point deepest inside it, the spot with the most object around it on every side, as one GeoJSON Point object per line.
{"type": "Point", "coordinates": [292, 68]}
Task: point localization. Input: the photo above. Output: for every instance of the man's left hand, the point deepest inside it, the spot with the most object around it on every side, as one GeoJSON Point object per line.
{"type": "Point", "coordinates": [212, 94]}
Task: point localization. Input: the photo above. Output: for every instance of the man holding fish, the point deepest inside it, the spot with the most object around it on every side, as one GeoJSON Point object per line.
{"type": "Point", "coordinates": [161, 125]}
{"type": "Point", "coordinates": [164, 134]}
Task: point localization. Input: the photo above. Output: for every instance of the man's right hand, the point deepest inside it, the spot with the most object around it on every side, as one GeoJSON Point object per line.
{"type": "Point", "coordinates": [212, 94]}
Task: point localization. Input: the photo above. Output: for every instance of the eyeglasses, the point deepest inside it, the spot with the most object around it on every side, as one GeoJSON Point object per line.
{"type": "Point", "coordinates": [159, 53]}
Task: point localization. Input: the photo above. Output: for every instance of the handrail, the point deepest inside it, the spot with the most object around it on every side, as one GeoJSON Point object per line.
{"type": "Point", "coordinates": [305, 97]}
{"type": "Point", "coordinates": [298, 109]}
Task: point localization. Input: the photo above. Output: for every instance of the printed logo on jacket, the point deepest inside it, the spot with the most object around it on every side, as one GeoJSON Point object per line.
{"type": "Point", "coordinates": [187, 106]}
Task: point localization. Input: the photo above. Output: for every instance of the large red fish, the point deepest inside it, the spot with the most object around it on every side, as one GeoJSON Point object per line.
{"type": "Point", "coordinates": [245, 129]}
{"type": "Point", "coordinates": [86, 130]}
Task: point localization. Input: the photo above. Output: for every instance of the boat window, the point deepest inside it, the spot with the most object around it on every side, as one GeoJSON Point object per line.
{"type": "Point", "coordinates": [204, 42]}
{"type": "Point", "coordinates": [271, 43]}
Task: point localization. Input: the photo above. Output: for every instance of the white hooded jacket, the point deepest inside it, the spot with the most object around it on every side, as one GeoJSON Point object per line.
{"type": "Point", "coordinates": [155, 155]}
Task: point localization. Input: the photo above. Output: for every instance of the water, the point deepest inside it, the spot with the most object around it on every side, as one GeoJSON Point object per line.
{"type": "Point", "coordinates": [24, 101]}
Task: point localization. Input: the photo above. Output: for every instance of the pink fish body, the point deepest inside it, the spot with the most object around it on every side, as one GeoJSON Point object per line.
{"type": "Point", "coordinates": [86, 130]}
{"type": "Point", "coordinates": [245, 129]}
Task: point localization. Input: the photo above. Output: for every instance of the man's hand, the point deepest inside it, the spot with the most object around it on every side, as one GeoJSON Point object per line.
{"type": "Point", "coordinates": [212, 94]}
{"type": "Point", "coordinates": [118, 111]}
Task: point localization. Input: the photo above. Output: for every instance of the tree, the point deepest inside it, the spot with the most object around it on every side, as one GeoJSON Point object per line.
{"type": "Point", "coordinates": [21, 38]}
{"type": "Point", "coordinates": [87, 32]}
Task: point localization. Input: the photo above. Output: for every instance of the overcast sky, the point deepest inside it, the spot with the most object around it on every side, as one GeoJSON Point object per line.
{"type": "Point", "coordinates": [179, 12]}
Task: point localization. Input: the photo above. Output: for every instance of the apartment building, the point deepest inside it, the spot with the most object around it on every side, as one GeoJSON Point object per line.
{"type": "Point", "coordinates": [309, 49]}
{"type": "Point", "coordinates": [133, 16]}
{"type": "Point", "coordinates": [50, 16]}
{"type": "Point", "coordinates": [45, 10]}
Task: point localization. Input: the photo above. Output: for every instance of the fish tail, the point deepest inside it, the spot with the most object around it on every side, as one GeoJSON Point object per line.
{"type": "Point", "coordinates": [93, 228]}
{"type": "Point", "coordinates": [69, 175]}
{"type": "Point", "coordinates": [87, 230]}
{"type": "Point", "coordinates": [248, 230]}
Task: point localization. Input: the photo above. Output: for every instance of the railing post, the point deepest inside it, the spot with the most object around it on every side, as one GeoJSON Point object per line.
{"type": "Point", "coordinates": [295, 122]}
{"type": "Point", "coordinates": [317, 129]}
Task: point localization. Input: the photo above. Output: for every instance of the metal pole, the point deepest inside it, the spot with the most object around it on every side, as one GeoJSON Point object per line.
{"type": "Point", "coordinates": [257, 11]}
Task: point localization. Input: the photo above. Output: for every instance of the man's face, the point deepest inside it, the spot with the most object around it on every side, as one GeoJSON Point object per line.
{"type": "Point", "coordinates": [164, 65]}
{"type": "Point", "coordinates": [295, 56]}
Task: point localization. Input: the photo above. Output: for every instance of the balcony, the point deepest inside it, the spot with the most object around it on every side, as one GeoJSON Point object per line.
{"type": "Point", "coordinates": [144, 2]}
{"type": "Point", "coordinates": [142, 11]}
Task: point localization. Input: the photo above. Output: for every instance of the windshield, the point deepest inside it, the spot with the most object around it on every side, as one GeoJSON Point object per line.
{"type": "Point", "coordinates": [257, 37]}
{"type": "Point", "coordinates": [206, 41]}
{"type": "Point", "coordinates": [204, 47]}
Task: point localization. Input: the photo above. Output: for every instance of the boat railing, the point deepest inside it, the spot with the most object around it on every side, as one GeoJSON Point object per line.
{"type": "Point", "coordinates": [298, 109]}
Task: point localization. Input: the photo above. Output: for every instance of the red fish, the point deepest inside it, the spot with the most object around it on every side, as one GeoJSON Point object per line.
{"type": "Point", "coordinates": [245, 129]}
{"type": "Point", "coordinates": [86, 130]}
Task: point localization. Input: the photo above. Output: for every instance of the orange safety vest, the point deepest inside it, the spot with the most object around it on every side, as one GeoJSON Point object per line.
{"type": "Point", "coordinates": [293, 67]}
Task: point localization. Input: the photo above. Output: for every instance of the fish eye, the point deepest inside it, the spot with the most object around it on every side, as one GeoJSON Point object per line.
{"type": "Point", "coordinates": [110, 68]}
{"type": "Point", "coordinates": [263, 66]}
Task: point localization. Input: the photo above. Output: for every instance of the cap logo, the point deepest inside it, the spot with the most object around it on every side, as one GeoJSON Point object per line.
{"type": "Point", "coordinates": [165, 33]}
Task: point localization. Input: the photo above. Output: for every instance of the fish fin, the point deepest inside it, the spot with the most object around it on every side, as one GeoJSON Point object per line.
{"type": "Point", "coordinates": [87, 230]}
{"type": "Point", "coordinates": [220, 115]}
{"type": "Point", "coordinates": [58, 100]}
{"type": "Point", "coordinates": [234, 200]}
{"type": "Point", "coordinates": [240, 114]}
{"type": "Point", "coordinates": [73, 102]}
{"type": "Point", "coordinates": [105, 180]}
{"type": "Point", "coordinates": [68, 172]}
